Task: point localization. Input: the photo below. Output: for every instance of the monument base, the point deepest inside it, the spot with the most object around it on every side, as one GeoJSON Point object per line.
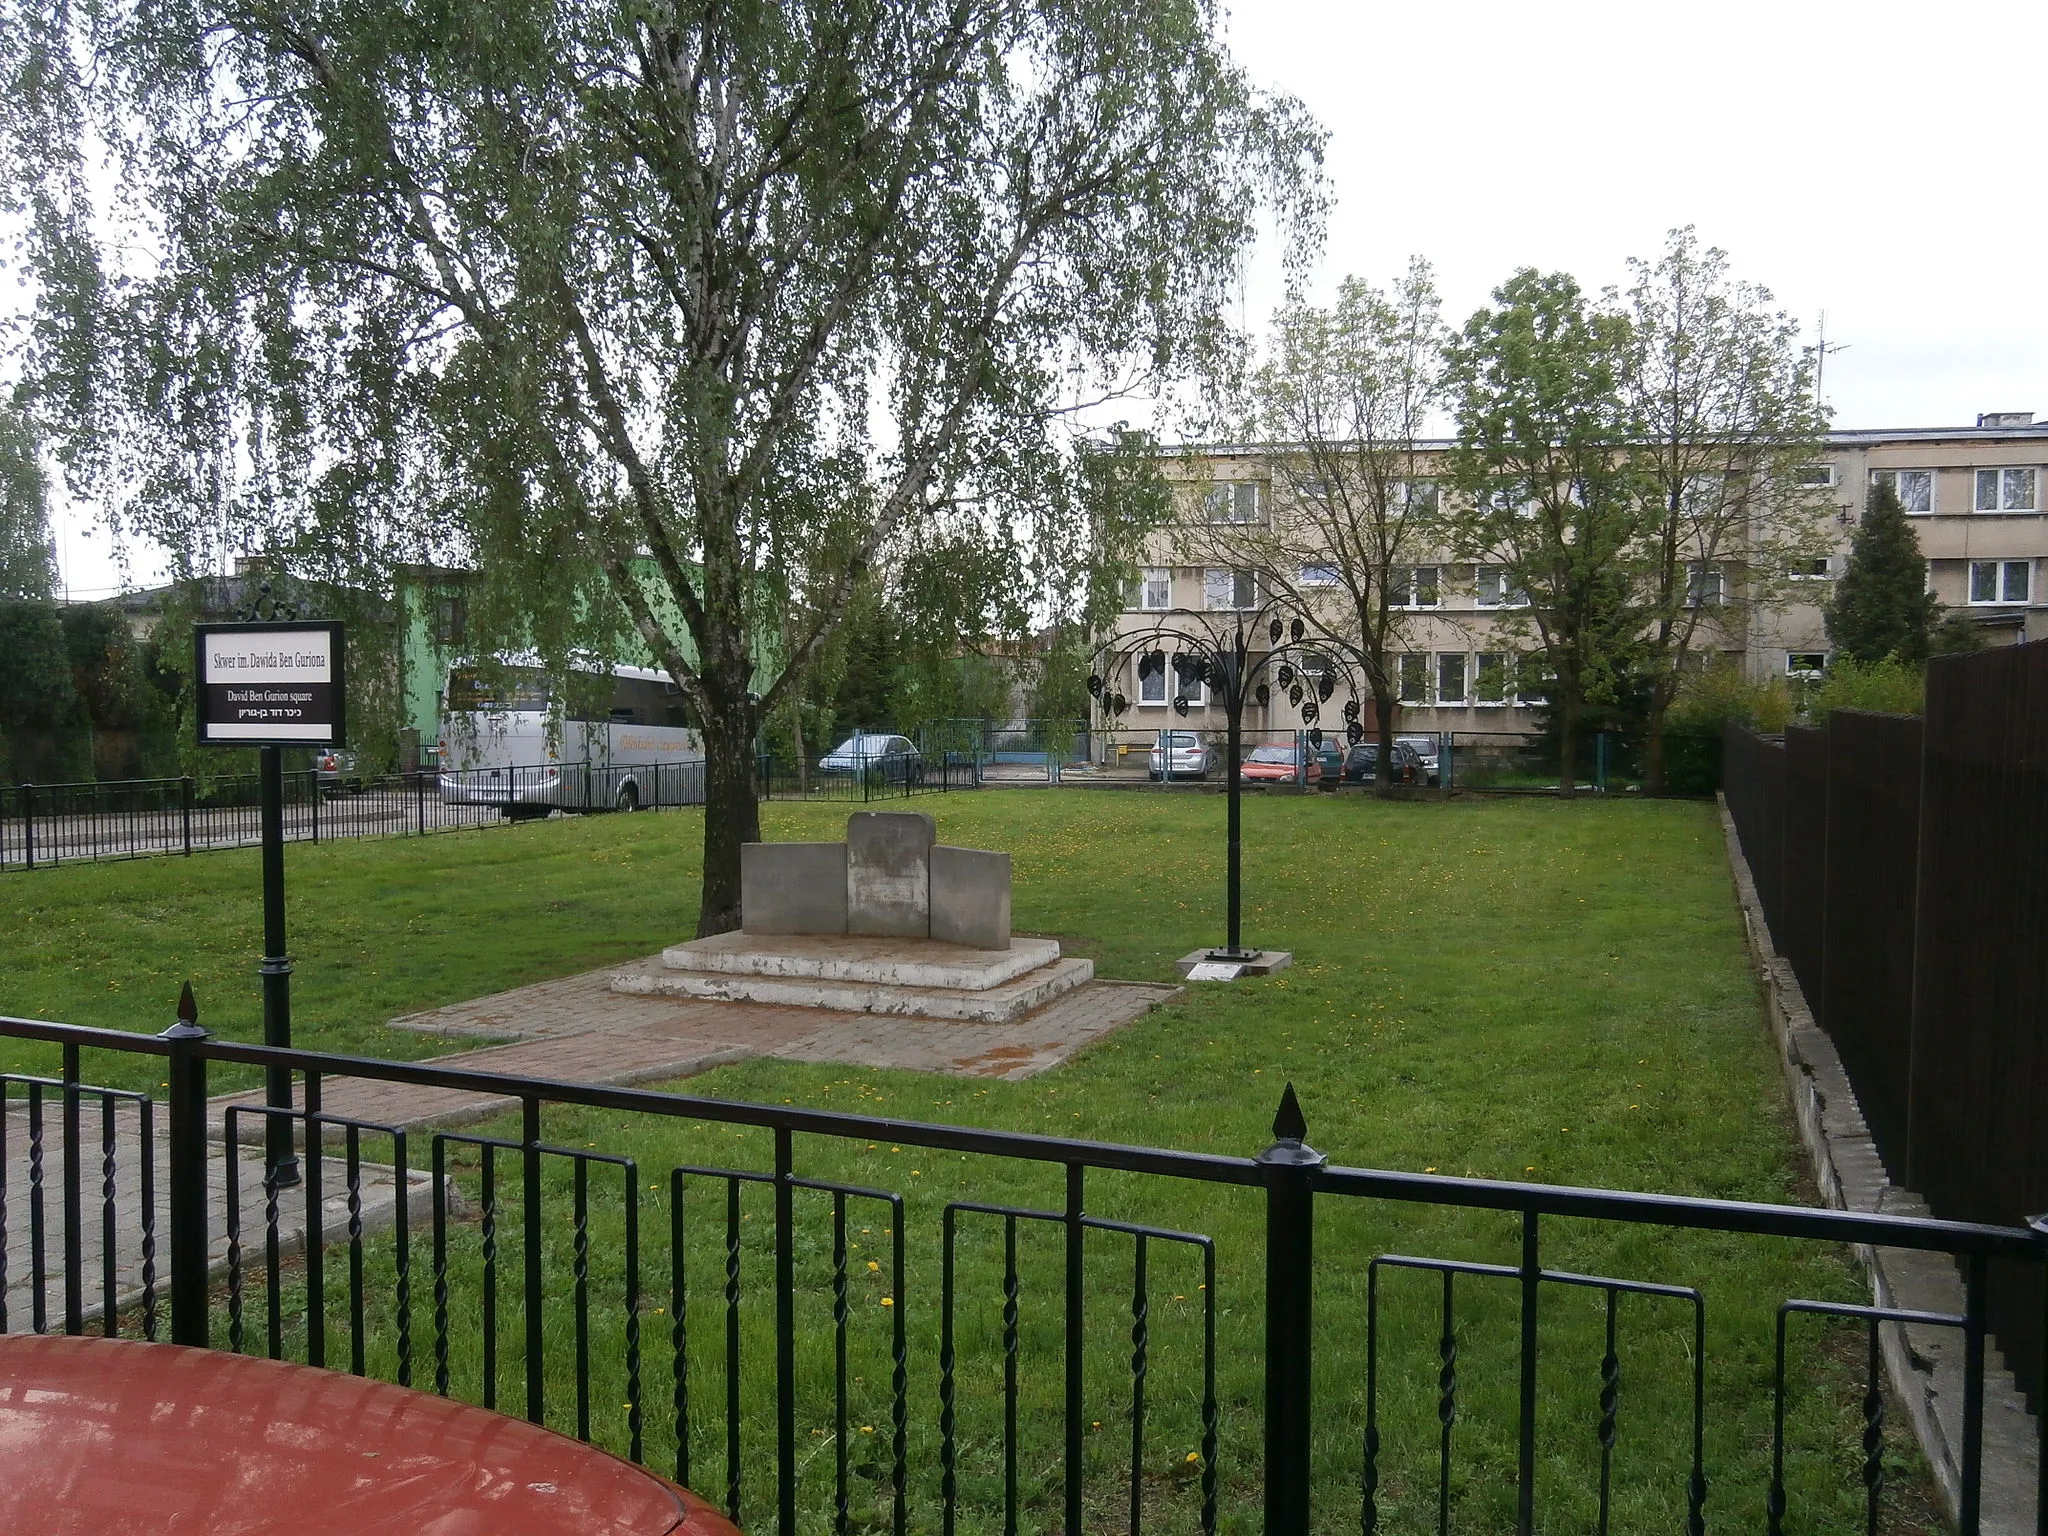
{"type": "Point", "coordinates": [915, 978]}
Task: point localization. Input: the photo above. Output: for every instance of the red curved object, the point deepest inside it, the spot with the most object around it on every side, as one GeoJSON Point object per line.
{"type": "Point", "coordinates": [109, 1435]}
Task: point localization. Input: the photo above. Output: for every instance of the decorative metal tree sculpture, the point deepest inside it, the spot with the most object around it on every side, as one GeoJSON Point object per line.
{"type": "Point", "coordinates": [1221, 657]}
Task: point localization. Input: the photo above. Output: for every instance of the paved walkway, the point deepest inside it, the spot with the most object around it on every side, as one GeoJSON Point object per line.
{"type": "Point", "coordinates": [577, 1029]}
{"type": "Point", "coordinates": [111, 1225]}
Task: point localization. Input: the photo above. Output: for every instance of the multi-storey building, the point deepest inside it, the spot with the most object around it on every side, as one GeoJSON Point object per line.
{"type": "Point", "coordinates": [1978, 497]}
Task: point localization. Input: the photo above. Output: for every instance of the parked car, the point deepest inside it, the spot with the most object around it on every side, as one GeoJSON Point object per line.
{"type": "Point", "coordinates": [1179, 755]}
{"type": "Point", "coordinates": [337, 773]}
{"type": "Point", "coordinates": [1282, 765]}
{"type": "Point", "coordinates": [888, 759]}
{"type": "Point", "coordinates": [1361, 764]}
{"type": "Point", "coordinates": [1426, 752]}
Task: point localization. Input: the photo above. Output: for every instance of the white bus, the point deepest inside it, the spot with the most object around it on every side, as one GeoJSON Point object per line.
{"type": "Point", "coordinates": [615, 738]}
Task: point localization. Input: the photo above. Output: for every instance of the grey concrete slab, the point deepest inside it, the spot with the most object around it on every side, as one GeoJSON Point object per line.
{"type": "Point", "coordinates": [861, 957]}
{"type": "Point", "coordinates": [794, 887]}
{"type": "Point", "coordinates": [970, 897]}
{"type": "Point", "coordinates": [889, 873]}
{"type": "Point", "coordinates": [1011, 1000]}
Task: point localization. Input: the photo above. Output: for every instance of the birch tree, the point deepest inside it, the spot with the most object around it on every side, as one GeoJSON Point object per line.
{"type": "Point", "coordinates": [674, 306]}
{"type": "Point", "coordinates": [1342, 402]}
{"type": "Point", "coordinates": [1724, 395]}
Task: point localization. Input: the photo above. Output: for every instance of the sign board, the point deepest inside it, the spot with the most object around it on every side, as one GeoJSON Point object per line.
{"type": "Point", "coordinates": [270, 684]}
{"type": "Point", "coordinates": [1214, 970]}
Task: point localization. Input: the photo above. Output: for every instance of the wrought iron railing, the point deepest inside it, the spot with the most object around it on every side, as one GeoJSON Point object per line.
{"type": "Point", "coordinates": [607, 1300]}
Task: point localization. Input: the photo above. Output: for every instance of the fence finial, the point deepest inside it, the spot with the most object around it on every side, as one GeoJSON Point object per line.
{"type": "Point", "coordinates": [1289, 1124]}
{"type": "Point", "coordinates": [187, 1026]}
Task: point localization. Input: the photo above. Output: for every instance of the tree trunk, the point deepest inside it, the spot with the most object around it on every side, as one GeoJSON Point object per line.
{"type": "Point", "coordinates": [1383, 776]}
{"type": "Point", "coordinates": [732, 816]}
{"type": "Point", "coordinates": [1568, 740]}
{"type": "Point", "coordinates": [1653, 746]}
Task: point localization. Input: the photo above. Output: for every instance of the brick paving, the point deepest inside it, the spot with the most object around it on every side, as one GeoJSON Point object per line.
{"type": "Point", "coordinates": [570, 1027]}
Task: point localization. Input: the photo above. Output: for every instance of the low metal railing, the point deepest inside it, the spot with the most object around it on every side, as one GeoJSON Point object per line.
{"type": "Point", "coordinates": [604, 1300]}
{"type": "Point", "coordinates": [42, 825]}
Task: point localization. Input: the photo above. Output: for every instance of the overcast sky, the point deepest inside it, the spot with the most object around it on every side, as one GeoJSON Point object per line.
{"type": "Point", "coordinates": [1877, 161]}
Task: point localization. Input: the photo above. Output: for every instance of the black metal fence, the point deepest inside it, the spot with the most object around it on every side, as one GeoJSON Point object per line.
{"type": "Point", "coordinates": [1902, 865]}
{"type": "Point", "coordinates": [42, 825]}
{"type": "Point", "coordinates": [760, 1330]}
{"type": "Point", "coordinates": [866, 777]}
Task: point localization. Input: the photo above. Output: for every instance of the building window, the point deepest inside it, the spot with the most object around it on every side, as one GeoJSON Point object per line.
{"type": "Point", "coordinates": [1187, 681]}
{"type": "Point", "coordinates": [2005, 490]}
{"type": "Point", "coordinates": [451, 619]}
{"type": "Point", "coordinates": [1809, 570]}
{"type": "Point", "coordinates": [1494, 589]}
{"type": "Point", "coordinates": [1235, 501]}
{"type": "Point", "coordinates": [1531, 682]}
{"type": "Point", "coordinates": [1805, 663]}
{"type": "Point", "coordinates": [1915, 487]}
{"type": "Point", "coordinates": [1412, 586]}
{"type": "Point", "coordinates": [1999, 581]}
{"type": "Point", "coordinates": [1450, 677]}
{"type": "Point", "coordinates": [1702, 585]}
{"type": "Point", "coordinates": [1319, 576]}
{"type": "Point", "coordinates": [1414, 678]}
{"type": "Point", "coordinates": [1151, 684]}
{"type": "Point", "coordinates": [1490, 678]}
{"type": "Point", "coordinates": [1155, 588]}
{"type": "Point", "coordinates": [1814, 476]}
{"type": "Point", "coordinates": [1230, 589]}
{"type": "Point", "coordinates": [1422, 497]}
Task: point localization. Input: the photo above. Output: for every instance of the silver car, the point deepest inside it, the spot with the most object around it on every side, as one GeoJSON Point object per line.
{"type": "Point", "coordinates": [1425, 753]}
{"type": "Point", "coordinates": [1179, 755]}
{"type": "Point", "coordinates": [877, 757]}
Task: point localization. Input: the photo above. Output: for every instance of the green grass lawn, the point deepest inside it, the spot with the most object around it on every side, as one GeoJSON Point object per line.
{"type": "Point", "coordinates": [1501, 988]}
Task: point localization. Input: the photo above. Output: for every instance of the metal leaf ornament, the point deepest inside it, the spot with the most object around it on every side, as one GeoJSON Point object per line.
{"type": "Point", "coordinates": [1118, 704]}
{"type": "Point", "coordinates": [1354, 733]}
{"type": "Point", "coordinates": [1273, 629]}
{"type": "Point", "coordinates": [1263, 694]}
{"type": "Point", "coordinates": [1151, 664]}
{"type": "Point", "coordinates": [1326, 687]}
{"type": "Point", "coordinates": [1095, 685]}
{"type": "Point", "coordinates": [1351, 709]}
{"type": "Point", "coordinates": [1299, 629]}
{"type": "Point", "coordinates": [1309, 712]}
{"type": "Point", "coordinates": [1294, 694]}
{"type": "Point", "coordinates": [1285, 674]}
{"type": "Point", "coordinates": [1315, 739]}
{"type": "Point", "coordinates": [1180, 704]}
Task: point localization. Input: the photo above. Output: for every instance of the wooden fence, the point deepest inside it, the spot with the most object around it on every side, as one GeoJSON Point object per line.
{"type": "Point", "coordinates": [1902, 865]}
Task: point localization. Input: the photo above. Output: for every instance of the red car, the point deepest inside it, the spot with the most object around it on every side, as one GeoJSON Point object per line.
{"type": "Point", "coordinates": [107, 1435]}
{"type": "Point", "coordinates": [1276, 765]}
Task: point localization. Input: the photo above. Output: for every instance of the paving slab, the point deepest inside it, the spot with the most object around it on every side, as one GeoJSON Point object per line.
{"type": "Point", "coordinates": [993, 1005]}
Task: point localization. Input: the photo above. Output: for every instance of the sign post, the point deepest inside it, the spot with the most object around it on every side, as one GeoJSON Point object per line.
{"type": "Point", "coordinates": [272, 683]}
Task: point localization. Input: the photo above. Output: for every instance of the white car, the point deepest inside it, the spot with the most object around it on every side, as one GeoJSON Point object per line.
{"type": "Point", "coordinates": [1179, 755]}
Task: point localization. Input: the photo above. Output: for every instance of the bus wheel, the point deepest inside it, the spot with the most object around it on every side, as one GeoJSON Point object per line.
{"type": "Point", "coordinates": [628, 799]}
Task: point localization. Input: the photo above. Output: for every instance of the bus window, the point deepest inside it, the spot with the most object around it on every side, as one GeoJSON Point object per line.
{"type": "Point", "coordinates": [513, 688]}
